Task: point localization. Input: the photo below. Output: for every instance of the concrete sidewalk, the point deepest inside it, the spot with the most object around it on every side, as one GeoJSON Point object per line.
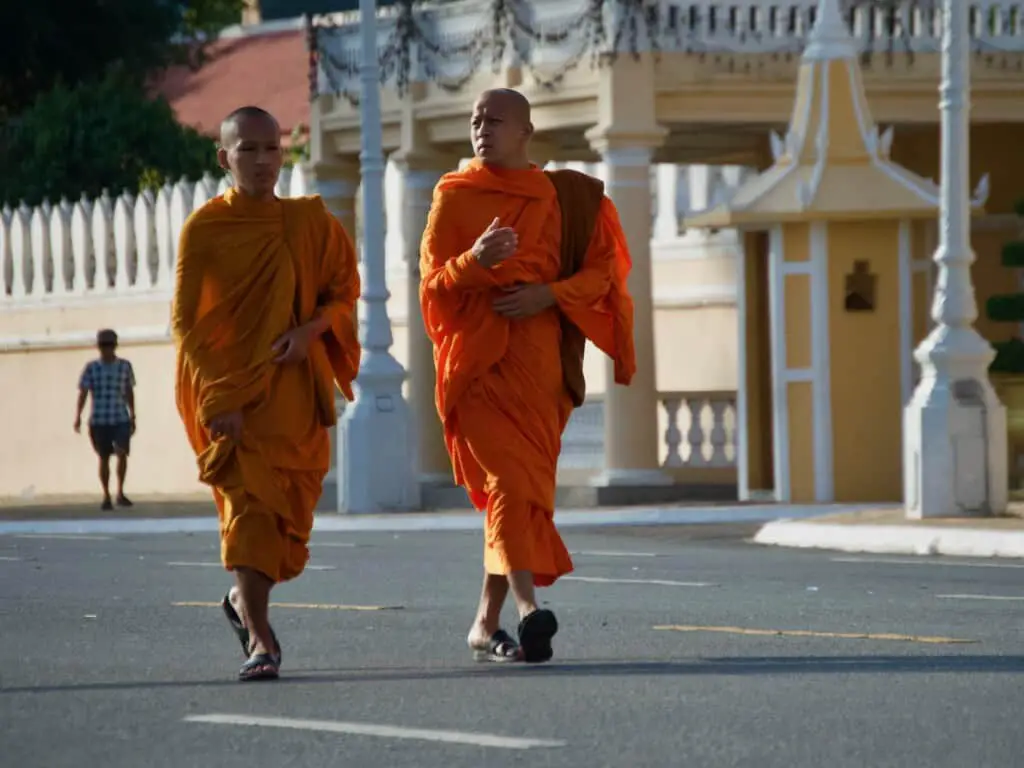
{"type": "Point", "coordinates": [886, 530]}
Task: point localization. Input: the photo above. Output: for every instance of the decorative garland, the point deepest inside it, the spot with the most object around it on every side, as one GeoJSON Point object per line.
{"type": "Point", "coordinates": [412, 42]}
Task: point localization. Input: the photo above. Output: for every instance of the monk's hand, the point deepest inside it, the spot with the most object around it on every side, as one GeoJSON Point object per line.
{"type": "Point", "coordinates": [524, 301]}
{"type": "Point", "coordinates": [293, 346]}
{"type": "Point", "coordinates": [227, 425]}
{"type": "Point", "coordinates": [496, 244]}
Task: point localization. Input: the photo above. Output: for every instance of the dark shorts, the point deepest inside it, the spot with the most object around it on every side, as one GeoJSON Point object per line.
{"type": "Point", "coordinates": [110, 438]}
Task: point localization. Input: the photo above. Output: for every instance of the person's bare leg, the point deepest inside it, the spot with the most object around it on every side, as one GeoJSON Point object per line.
{"type": "Point", "coordinates": [488, 615]}
{"type": "Point", "coordinates": [255, 593]}
{"type": "Point", "coordinates": [523, 592]}
{"type": "Point", "coordinates": [105, 476]}
{"type": "Point", "coordinates": [122, 472]}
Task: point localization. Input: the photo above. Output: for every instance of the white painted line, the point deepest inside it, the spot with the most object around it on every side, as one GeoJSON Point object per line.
{"type": "Point", "coordinates": [469, 521]}
{"type": "Point", "coordinates": [345, 544]}
{"type": "Point", "coordinates": [221, 565]}
{"type": "Point", "coordinates": [63, 537]}
{"type": "Point", "coordinates": [981, 597]}
{"type": "Point", "coordinates": [931, 561]}
{"type": "Point", "coordinates": [10, 559]}
{"type": "Point", "coordinates": [656, 582]}
{"type": "Point", "coordinates": [613, 554]}
{"type": "Point", "coordinates": [894, 539]}
{"type": "Point", "coordinates": [382, 731]}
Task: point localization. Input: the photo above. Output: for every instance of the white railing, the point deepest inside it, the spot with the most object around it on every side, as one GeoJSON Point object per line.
{"type": "Point", "coordinates": [699, 431]}
{"type": "Point", "coordinates": [109, 246]}
{"type": "Point", "coordinates": [454, 39]}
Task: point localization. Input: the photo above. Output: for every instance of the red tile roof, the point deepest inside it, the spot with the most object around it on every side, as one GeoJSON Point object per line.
{"type": "Point", "coordinates": [266, 70]}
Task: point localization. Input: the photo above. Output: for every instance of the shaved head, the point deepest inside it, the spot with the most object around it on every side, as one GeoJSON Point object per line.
{"type": "Point", "coordinates": [501, 128]}
{"type": "Point", "coordinates": [250, 148]}
{"type": "Point", "coordinates": [231, 125]}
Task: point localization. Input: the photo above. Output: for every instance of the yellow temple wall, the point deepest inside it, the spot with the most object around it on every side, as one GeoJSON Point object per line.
{"type": "Point", "coordinates": [865, 366]}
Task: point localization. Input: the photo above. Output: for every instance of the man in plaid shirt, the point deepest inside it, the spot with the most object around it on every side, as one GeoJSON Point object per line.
{"type": "Point", "coordinates": [111, 381]}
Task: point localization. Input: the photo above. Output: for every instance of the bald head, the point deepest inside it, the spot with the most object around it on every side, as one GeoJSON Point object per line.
{"type": "Point", "coordinates": [501, 128]}
{"type": "Point", "coordinates": [250, 149]}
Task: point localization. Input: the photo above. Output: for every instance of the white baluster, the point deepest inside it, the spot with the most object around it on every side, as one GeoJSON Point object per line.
{"type": "Point", "coordinates": [60, 248]}
{"type": "Point", "coordinates": [19, 247]}
{"type": "Point", "coordinates": [666, 222]}
{"type": "Point", "coordinates": [5, 253]}
{"type": "Point", "coordinates": [102, 242]}
{"type": "Point", "coordinates": [695, 434]}
{"type": "Point", "coordinates": [283, 186]}
{"type": "Point", "coordinates": [181, 207]}
{"type": "Point", "coordinates": [124, 243]}
{"type": "Point", "coordinates": [718, 435]}
{"type": "Point", "coordinates": [673, 435]}
{"type": "Point", "coordinates": [224, 184]}
{"type": "Point", "coordinates": [145, 241]}
{"type": "Point", "coordinates": [166, 246]}
{"type": "Point", "coordinates": [39, 247]}
{"type": "Point", "coordinates": [300, 185]}
{"type": "Point", "coordinates": [204, 191]}
{"type": "Point", "coordinates": [81, 247]}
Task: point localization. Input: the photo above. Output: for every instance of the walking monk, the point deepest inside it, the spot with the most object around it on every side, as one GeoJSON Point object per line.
{"type": "Point", "coordinates": [263, 325]}
{"type": "Point", "coordinates": [519, 266]}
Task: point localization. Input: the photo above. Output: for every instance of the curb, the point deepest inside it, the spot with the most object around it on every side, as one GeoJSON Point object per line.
{"type": "Point", "coordinates": [425, 521]}
{"type": "Point", "coordinates": [893, 539]}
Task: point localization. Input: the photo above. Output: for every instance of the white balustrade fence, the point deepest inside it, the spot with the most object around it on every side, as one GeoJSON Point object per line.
{"type": "Point", "coordinates": [107, 246]}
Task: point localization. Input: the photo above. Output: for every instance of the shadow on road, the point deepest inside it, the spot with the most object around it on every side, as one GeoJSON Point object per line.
{"type": "Point", "coordinates": [743, 665]}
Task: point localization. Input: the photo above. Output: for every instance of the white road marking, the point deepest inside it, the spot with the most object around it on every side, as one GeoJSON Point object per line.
{"type": "Point", "coordinates": [221, 565]}
{"type": "Point", "coordinates": [63, 536]}
{"type": "Point", "coordinates": [346, 544]}
{"type": "Point", "coordinates": [382, 731]}
{"type": "Point", "coordinates": [10, 559]}
{"type": "Point", "coordinates": [926, 561]}
{"type": "Point", "coordinates": [980, 597]}
{"type": "Point", "coordinates": [656, 582]}
{"type": "Point", "coordinates": [598, 553]}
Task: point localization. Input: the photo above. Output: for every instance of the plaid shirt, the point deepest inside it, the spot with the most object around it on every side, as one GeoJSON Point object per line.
{"type": "Point", "coordinates": [109, 384]}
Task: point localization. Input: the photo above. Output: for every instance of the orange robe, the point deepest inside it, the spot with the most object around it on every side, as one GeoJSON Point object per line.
{"type": "Point", "coordinates": [247, 272]}
{"type": "Point", "coordinates": [500, 392]}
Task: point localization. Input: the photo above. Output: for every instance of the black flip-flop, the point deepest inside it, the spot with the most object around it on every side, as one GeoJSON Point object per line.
{"type": "Point", "coordinates": [240, 630]}
{"type": "Point", "coordinates": [535, 633]}
{"type": "Point", "coordinates": [260, 666]}
{"type": "Point", "coordinates": [500, 648]}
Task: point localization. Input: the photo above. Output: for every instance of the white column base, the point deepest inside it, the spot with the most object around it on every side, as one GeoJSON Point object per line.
{"type": "Point", "coordinates": [634, 477]}
{"type": "Point", "coordinates": [954, 427]}
{"type": "Point", "coordinates": [377, 449]}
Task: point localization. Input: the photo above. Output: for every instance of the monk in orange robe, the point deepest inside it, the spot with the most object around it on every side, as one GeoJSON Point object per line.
{"type": "Point", "coordinates": [263, 323]}
{"type": "Point", "coordinates": [518, 268]}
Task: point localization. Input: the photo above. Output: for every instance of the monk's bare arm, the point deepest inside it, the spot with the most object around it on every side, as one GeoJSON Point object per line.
{"type": "Point", "coordinates": [601, 266]}
{"type": "Point", "coordinates": [444, 266]}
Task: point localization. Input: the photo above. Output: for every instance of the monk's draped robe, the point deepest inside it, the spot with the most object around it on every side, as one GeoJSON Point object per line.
{"type": "Point", "coordinates": [248, 271]}
{"type": "Point", "coordinates": [500, 390]}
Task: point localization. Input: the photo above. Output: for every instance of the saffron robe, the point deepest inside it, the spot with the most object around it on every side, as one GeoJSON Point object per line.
{"type": "Point", "coordinates": [500, 389]}
{"type": "Point", "coordinates": [247, 272]}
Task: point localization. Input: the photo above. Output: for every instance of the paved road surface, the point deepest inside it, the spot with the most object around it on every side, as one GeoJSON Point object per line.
{"type": "Point", "coordinates": [115, 658]}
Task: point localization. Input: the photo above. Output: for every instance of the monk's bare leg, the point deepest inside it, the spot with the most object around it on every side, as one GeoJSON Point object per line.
{"type": "Point", "coordinates": [523, 592]}
{"type": "Point", "coordinates": [255, 592]}
{"type": "Point", "coordinates": [488, 615]}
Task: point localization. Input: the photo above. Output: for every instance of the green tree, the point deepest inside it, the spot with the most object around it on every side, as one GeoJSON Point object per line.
{"type": "Point", "coordinates": [103, 134]}
{"type": "Point", "coordinates": [44, 43]}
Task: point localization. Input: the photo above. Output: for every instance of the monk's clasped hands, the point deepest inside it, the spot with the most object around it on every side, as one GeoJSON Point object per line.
{"type": "Point", "coordinates": [496, 244]}
{"type": "Point", "coordinates": [524, 301]}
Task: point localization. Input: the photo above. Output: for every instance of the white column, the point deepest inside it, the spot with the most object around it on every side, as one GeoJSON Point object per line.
{"type": "Point", "coordinates": [417, 179]}
{"type": "Point", "coordinates": [666, 221]}
{"type": "Point", "coordinates": [631, 413]}
{"type": "Point", "coordinates": [337, 182]}
{"type": "Point", "coordinates": [954, 461]}
{"type": "Point", "coordinates": [378, 455]}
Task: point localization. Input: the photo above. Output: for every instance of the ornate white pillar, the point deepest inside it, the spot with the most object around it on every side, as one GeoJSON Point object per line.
{"type": "Point", "coordinates": [417, 177]}
{"type": "Point", "coordinates": [337, 182]}
{"type": "Point", "coordinates": [954, 427]}
{"type": "Point", "coordinates": [631, 413]}
{"type": "Point", "coordinates": [378, 459]}
{"type": "Point", "coordinates": [672, 180]}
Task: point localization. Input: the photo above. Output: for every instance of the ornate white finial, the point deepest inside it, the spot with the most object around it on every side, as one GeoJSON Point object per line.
{"type": "Point", "coordinates": [830, 39]}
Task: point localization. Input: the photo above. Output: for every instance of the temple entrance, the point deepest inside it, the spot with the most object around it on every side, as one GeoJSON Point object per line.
{"type": "Point", "coordinates": [759, 425]}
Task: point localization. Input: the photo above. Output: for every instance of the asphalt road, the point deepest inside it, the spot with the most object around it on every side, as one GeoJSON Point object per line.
{"type": "Point", "coordinates": [116, 657]}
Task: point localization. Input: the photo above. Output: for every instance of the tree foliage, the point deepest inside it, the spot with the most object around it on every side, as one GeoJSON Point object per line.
{"type": "Point", "coordinates": [104, 134]}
